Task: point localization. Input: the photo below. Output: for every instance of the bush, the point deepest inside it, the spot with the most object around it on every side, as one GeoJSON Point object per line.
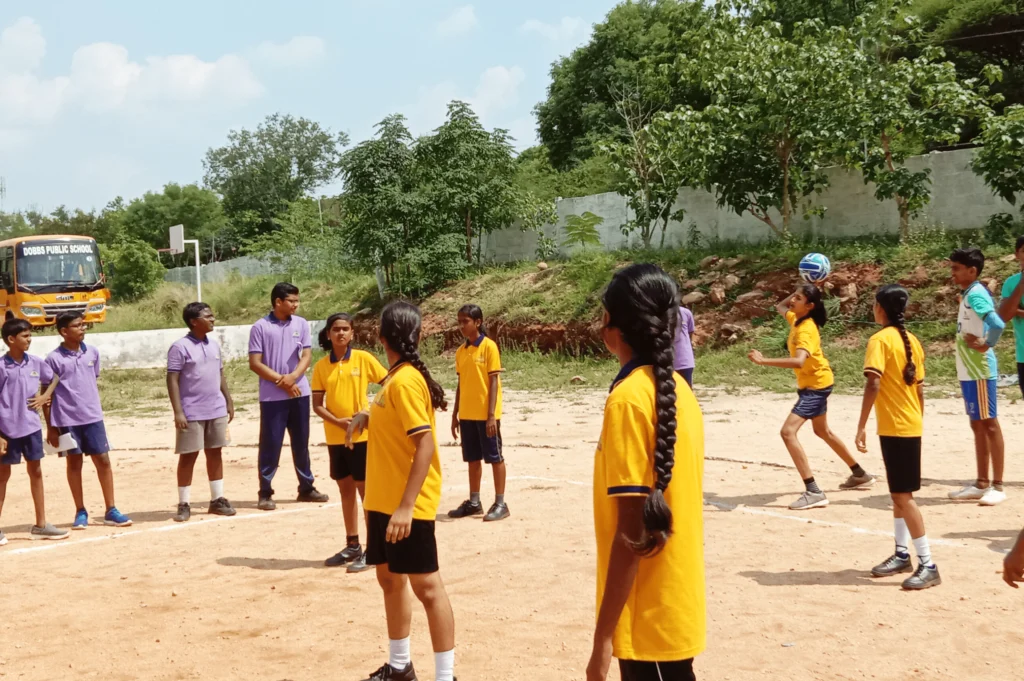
{"type": "Point", "coordinates": [134, 269]}
{"type": "Point", "coordinates": [428, 268]}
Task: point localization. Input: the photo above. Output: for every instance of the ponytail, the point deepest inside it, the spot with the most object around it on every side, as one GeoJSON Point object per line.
{"type": "Point", "coordinates": [818, 313]}
{"type": "Point", "coordinates": [400, 327]}
{"type": "Point", "coordinates": [641, 304]}
{"type": "Point", "coordinates": [324, 337]}
{"type": "Point", "coordinates": [893, 299]}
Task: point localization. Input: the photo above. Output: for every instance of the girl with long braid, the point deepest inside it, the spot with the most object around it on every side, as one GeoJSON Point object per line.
{"type": "Point", "coordinates": [403, 489]}
{"type": "Point", "coordinates": [648, 499]}
{"type": "Point", "coordinates": [894, 367]}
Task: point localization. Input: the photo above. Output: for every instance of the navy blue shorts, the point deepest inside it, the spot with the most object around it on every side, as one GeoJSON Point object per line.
{"type": "Point", "coordinates": [812, 403]}
{"type": "Point", "coordinates": [91, 439]}
{"type": "Point", "coordinates": [476, 446]}
{"type": "Point", "coordinates": [30, 447]}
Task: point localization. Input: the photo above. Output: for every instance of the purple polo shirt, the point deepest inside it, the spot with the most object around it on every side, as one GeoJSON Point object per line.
{"type": "Point", "coordinates": [19, 382]}
{"type": "Point", "coordinates": [683, 343]}
{"type": "Point", "coordinates": [281, 344]}
{"type": "Point", "coordinates": [76, 399]}
{"type": "Point", "coordinates": [198, 364]}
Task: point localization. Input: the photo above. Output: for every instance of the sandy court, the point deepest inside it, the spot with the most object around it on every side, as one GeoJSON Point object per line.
{"type": "Point", "coordinates": [789, 596]}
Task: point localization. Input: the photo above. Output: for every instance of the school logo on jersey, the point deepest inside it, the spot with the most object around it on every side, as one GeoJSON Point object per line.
{"type": "Point", "coordinates": [91, 363]}
{"type": "Point", "coordinates": [295, 334]}
{"type": "Point", "coordinates": [480, 359]}
{"type": "Point", "coordinates": [34, 374]}
{"type": "Point", "coordinates": [356, 371]}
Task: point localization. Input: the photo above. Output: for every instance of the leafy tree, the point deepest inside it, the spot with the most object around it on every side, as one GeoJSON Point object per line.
{"type": "Point", "coordinates": [789, 13]}
{"type": "Point", "coordinates": [259, 173]}
{"type": "Point", "coordinates": [637, 47]}
{"type": "Point", "coordinates": [1000, 161]}
{"type": "Point", "coordinates": [135, 269]}
{"type": "Point", "coordinates": [582, 230]}
{"type": "Point", "coordinates": [593, 175]}
{"type": "Point", "coordinates": [148, 218]}
{"type": "Point", "coordinates": [304, 240]}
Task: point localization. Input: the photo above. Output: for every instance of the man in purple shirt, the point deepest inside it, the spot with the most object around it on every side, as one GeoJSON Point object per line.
{"type": "Point", "coordinates": [280, 350]}
{"type": "Point", "coordinates": [76, 411]}
{"type": "Point", "coordinates": [684, 346]}
{"type": "Point", "coordinates": [21, 433]}
{"type": "Point", "coordinates": [202, 408]}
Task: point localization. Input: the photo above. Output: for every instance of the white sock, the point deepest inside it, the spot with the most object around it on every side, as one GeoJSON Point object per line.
{"type": "Point", "coordinates": [398, 653]}
{"type": "Point", "coordinates": [902, 535]}
{"type": "Point", "coordinates": [924, 552]}
{"type": "Point", "coordinates": [444, 666]}
{"type": "Point", "coordinates": [184, 494]}
{"type": "Point", "coordinates": [216, 489]}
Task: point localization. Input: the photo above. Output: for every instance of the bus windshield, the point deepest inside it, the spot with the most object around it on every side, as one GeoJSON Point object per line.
{"type": "Point", "coordinates": [58, 265]}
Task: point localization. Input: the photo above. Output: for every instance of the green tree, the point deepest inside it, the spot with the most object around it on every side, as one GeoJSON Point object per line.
{"type": "Point", "coordinates": [593, 175]}
{"type": "Point", "coordinates": [1000, 161]}
{"type": "Point", "coordinates": [148, 218]}
{"type": "Point", "coordinates": [637, 47]}
{"type": "Point", "coordinates": [581, 230]}
{"type": "Point", "coordinates": [134, 269]}
{"type": "Point", "coordinates": [259, 173]}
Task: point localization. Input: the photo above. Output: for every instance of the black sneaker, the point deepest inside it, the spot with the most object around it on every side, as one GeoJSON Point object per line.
{"type": "Point", "coordinates": [266, 504]}
{"type": "Point", "coordinates": [183, 514]}
{"type": "Point", "coordinates": [359, 564]}
{"type": "Point", "coordinates": [466, 509]}
{"type": "Point", "coordinates": [221, 506]}
{"type": "Point", "coordinates": [389, 673]}
{"type": "Point", "coordinates": [893, 565]}
{"type": "Point", "coordinates": [498, 511]}
{"type": "Point", "coordinates": [345, 556]}
{"type": "Point", "coordinates": [312, 496]}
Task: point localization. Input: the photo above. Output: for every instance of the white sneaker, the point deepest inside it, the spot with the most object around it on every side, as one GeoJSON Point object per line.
{"type": "Point", "coordinates": [968, 493]}
{"type": "Point", "coordinates": [992, 497]}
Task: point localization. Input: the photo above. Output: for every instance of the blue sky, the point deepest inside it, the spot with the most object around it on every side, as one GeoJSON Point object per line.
{"type": "Point", "coordinates": [116, 98]}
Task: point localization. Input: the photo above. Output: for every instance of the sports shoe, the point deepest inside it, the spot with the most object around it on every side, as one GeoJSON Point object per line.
{"type": "Point", "coordinates": [992, 497]}
{"type": "Point", "coordinates": [855, 482]}
{"type": "Point", "coordinates": [312, 496]}
{"type": "Point", "coordinates": [221, 506]}
{"type": "Point", "coordinates": [924, 577]}
{"type": "Point", "coordinates": [466, 509]}
{"type": "Point", "coordinates": [81, 520]}
{"type": "Point", "coordinates": [345, 556]}
{"type": "Point", "coordinates": [498, 511]}
{"type": "Point", "coordinates": [47, 531]}
{"type": "Point", "coordinates": [809, 500]}
{"type": "Point", "coordinates": [3, 539]}
{"type": "Point", "coordinates": [893, 565]}
{"type": "Point", "coordinates": [266, 504]}
{"type": "Point", "coordinates": [359, 564]}
{"type": "Point", "coordinates": [389, 673]}
{"type": "Point", "coordinates": [968, 493]}
{"type": "Point", "coordinates": [116, 518]}
{"type": "Point", "coordinates": [183, 514]}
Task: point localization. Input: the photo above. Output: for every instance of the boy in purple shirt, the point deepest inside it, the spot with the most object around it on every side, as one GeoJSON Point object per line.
{"type": "Point", "coordinates": [202, 408]}
{"type": "Point", "coordinates": [21, 434]}
{"type": "Point", "coordinates": [280, 350]}
{"type": "Point", "coordinates": [684, 346]}
{"type": "Point", "coordinates": [76, 410]}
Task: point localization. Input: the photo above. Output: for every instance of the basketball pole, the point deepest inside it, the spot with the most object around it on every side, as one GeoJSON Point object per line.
{"type": "Point", "coordinates": [199, 280]}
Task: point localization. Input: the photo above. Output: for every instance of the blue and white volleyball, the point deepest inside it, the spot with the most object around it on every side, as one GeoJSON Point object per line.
{"type": "Point", "coordinates": [815, 268]}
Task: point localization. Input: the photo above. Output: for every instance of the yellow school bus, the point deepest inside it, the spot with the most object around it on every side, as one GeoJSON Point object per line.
{"type": "Point", "coordinates": [42, 276]}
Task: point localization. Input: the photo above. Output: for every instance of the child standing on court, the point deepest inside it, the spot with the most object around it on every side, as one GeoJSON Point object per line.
{"type": "Point", "coordinates": [806, 314]}
{"type": "Point", "coordinates": [648, 498]}
{"type": "Point", "coordinates": [340, 382]}
{"type": "Point", "coordinates": [76, 411]}
{"type": "Point", "coordinates": [21, 433]}
{"type": "Point", "coordinates": [403, 490]}
{"type": "Point", "coordinates": [978, 329]}
{"type": "Point", "coordinates": [894, 367]}
{"type": "Point", "coordinates": [683, 349]}
{"type": "Point", "coordinates": [202, 406]}
{"type": "Point", "coordinates": [280, 350]}
{"type": "Point", "coordinates": [478, 413]}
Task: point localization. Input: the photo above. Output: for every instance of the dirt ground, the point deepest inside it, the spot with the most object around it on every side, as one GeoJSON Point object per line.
{"type": "Point", "coordinates": [789, 595]}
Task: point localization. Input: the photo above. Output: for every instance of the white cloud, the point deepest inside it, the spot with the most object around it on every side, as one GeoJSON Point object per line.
{"type": "Point", "coordinates": [299, 51]}
{"type": "Point", "coordinates": [569, 30]}
{"type": "Point", "coordinates": [460, 21]}
{"type": "Point", "coordinates": [495, 91]}
{"type": "Point", "coordinates": [22, 46]}
{"type": "Point", "coordinates": [498, 89]}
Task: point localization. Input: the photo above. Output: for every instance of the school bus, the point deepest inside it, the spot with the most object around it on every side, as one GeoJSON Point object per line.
{"type": "Point", "coordinates": [42, 276]}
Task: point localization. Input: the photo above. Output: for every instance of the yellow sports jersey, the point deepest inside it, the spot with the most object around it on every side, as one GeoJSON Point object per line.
{"type": "Point", "coordinates": [816, 373]}
{"type": "Point", "coordinates": [344, 384]}
{"type": "Point", "coordinates": [402, 408]}
{"type": "Point", "coordinates": [898, 408]}
{"type": "Point", "coordinates": [475, 363]}
{"type": "Point", "coordinates": [664, 617]}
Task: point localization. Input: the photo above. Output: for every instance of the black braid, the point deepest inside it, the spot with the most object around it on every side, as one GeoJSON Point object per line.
{"type": "Point", "coordinates": [411, 354]}
{"type": "Point", "coordinates": [400, 327]}
{"type": "Point", "coordinates": [641, 303]}
{"type": "Point", "coordinates": [893, 301]}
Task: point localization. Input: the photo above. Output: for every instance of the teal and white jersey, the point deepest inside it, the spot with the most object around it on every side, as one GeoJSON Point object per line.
{"type": "Point", "coordinates": [972, 365]}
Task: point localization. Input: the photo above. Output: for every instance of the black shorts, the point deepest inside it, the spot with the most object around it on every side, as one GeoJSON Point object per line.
{"type": "Point", "coordinates": [902, 456]}
{"type": "Point", "coordinates": [632, 670]}
{"type": "Point", "coordinates": [477, 446]}
{"type": "Point", "coordinates": [347, 462]}
{"type": "Point", "coordinates": [1020, 377]}
{"type": "Point", "coordinates": [414, 555]}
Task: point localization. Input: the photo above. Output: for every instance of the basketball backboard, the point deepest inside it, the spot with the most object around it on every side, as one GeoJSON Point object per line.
{"type": "Point", "coordinates": [178, 239]}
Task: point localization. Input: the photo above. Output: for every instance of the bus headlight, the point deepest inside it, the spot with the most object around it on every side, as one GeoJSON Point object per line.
{"type": "Point", "coordinates": [30, 311]}
{"type": "Point", "coordinates": [96, 307]}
